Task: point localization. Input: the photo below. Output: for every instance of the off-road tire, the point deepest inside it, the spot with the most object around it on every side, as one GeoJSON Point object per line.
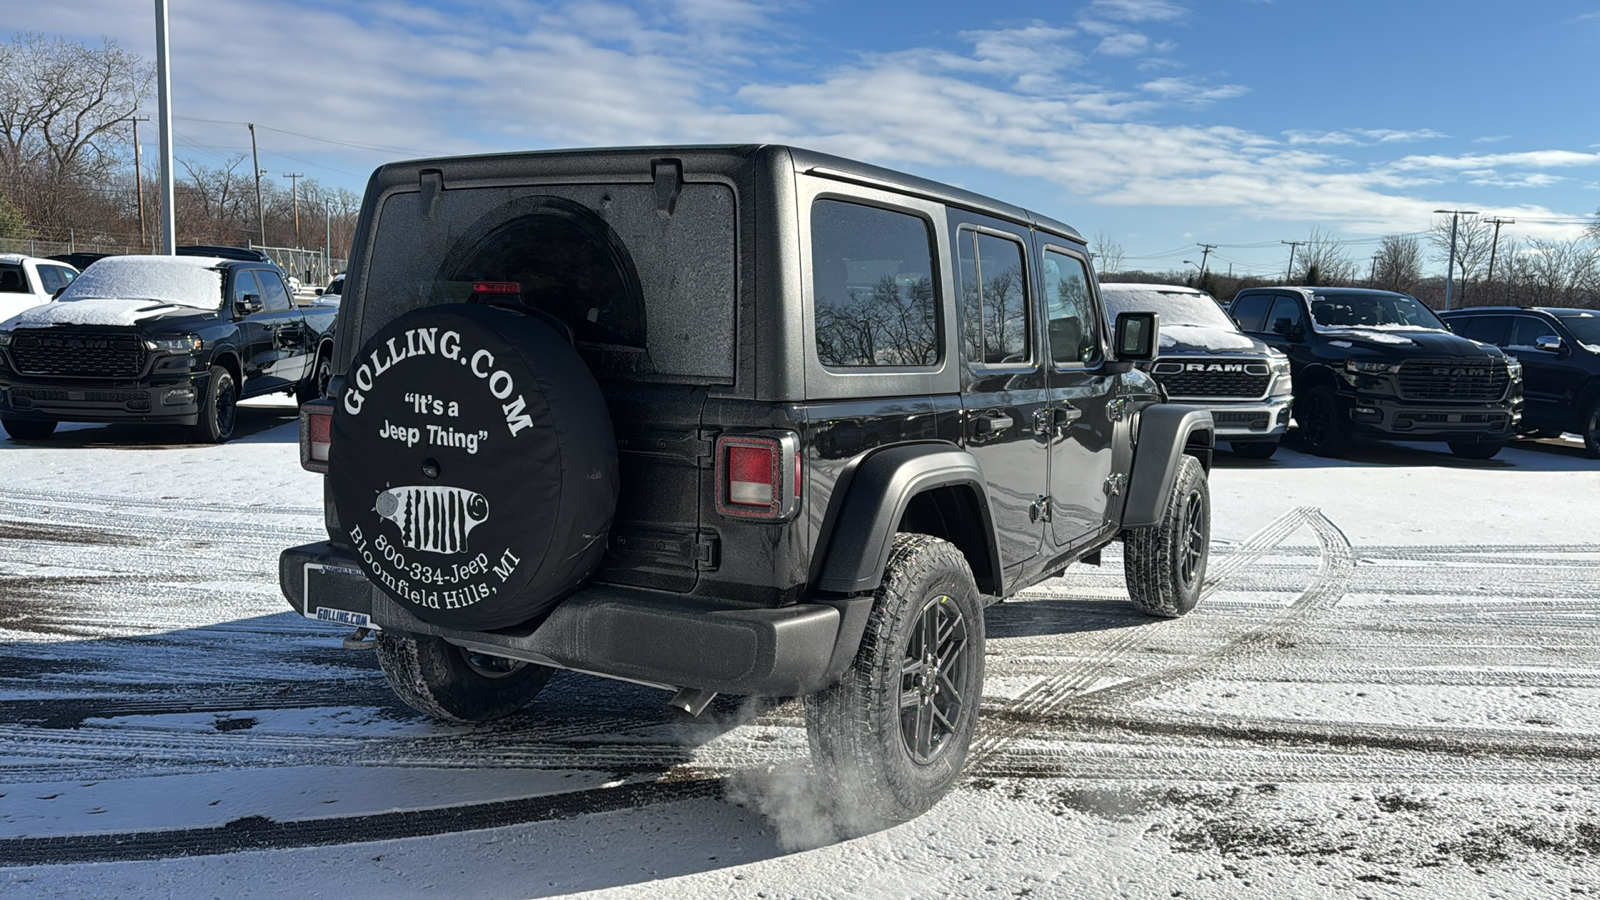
{"type": "Point", "coordinates": [439, 679]}
{"type": "Point", "coordinates": [1165, 564]}
{"type": "Point", "coordinates": [874, 775]}
{"type": "Point", "coordinates": [1320, 428]}
{"type": "Point", "coordinates": [28, 429]}
{"type": "Point", "coordinates": [1476, 449]}
{"type": "Point", "coordinates": [219, 408]}
{"type": "Point", "coordinates": [315, 387]}
{"type": "Point", "coordinates": [1254, 449]}
{"type": "Point", "coordinates": [1589, 428]}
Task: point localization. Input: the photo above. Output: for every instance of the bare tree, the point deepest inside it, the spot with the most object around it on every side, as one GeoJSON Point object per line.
{"type": "Point", "coordinates": [1474, 241]}
{"type": "Point", "coordinates": [1323, 260]}
{"type": "Point", "coordinates": [61, 105]}
{"type": "Point", "coordinates": [1107, 254]}
{"type": "Point", "coordinates": [1556, 273]}
{"type": "Point", "coordinates": [1398, 265]}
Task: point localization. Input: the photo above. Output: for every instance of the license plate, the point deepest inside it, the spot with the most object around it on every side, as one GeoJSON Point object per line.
{"type": "Point", "coordinates": [315, 610]}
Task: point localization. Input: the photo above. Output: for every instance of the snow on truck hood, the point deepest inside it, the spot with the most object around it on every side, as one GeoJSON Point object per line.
{"type": "Point", "coordinates": [126, 290]}
{"type": "Point", "coordinates": [1205, 338]}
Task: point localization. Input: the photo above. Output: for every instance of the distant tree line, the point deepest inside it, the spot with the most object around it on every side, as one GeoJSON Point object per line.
{"type": "Point", "coordinates": [67, 163]}
{"type": "Point", "coordinates": [1491, 269]}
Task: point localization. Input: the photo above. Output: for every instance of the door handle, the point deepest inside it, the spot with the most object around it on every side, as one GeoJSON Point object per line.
{"type": "Point", "coordinates": [1066, 414]}
{"type": "Point", "coordinates": [991, 423]}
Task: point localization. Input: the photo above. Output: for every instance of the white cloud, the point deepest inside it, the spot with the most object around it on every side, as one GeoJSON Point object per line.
{"type": "Point", "coordinates": [1136, 10]}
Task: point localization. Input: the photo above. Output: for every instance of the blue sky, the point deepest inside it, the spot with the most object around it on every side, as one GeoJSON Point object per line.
{"type": "Point", "coordinates": [1157, 123]}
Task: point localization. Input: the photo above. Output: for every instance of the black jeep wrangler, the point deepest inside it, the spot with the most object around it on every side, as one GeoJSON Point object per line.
{"type": "Point", "coordinates": [1382, 365]}
{"type": "Point", "coordinates": [751, 420]}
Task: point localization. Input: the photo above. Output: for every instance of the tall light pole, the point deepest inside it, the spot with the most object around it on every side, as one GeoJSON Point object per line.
{"type": "Point", "coordinates": [1450, 266]}
{"type": "Point", "coordinates": [169, 221]}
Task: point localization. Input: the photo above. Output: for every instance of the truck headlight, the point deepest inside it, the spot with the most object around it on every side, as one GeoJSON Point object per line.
{"type": "Point", "coordinates": [185, 343]}
{"type": "Point", "coordinates": [5, 338]}
{"type": "Point", "coordinates": [1370, 367]}
{"type": "Point", "coordinates": [1514, 369]}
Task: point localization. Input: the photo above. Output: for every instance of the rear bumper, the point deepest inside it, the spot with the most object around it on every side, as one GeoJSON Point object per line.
{"type": "Point", "coordinates": [651, 637]}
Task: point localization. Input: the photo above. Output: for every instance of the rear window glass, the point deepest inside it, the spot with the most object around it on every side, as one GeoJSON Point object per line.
{"type": "Point", "coordinates": [994, 299]}
{"type": "Point", "coordinates": [646, 295]}
{"type": "Point", "coordinates": [872, 279]}
{"type": "Point", "coordinates": [13, 280]}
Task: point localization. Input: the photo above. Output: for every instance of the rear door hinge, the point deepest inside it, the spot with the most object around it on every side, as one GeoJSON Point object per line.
{"type": "Point", "coordinates": [1041, 510]}
{"type": "Point", "coordinates": [1117, 409]}
{"type": "Point", "coordinates": [1115, 482]}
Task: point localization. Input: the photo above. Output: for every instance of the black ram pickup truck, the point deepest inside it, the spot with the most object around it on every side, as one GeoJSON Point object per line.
{"type": "Point", "coordinates": [744, 420]}
{"type": "Point", "coordinates": [162, 340]}
{"type": "Point", "coordinates": [1382, 365]}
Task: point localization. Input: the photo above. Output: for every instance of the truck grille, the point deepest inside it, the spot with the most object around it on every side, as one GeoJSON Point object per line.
{"type": "Point", "coordinates": [1255, 421]}
{"type": "Point", "coordinates": [1446, 379]}
{"type": "Point", "coordinates": [1212, 377]}
{"type": "Point", "coordinates": [87, 354]}
{"type": "Point", "coordinates": [23, 397]}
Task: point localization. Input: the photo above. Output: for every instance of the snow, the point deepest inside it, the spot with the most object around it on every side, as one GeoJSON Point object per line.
{"type": "Point", "coordinates": [1392, 690]}
{"type": "Point", "coordinates": [190, 281]}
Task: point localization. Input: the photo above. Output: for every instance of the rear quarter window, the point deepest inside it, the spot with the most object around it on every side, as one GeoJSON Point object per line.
{"type": "Point", "coordinates": [873, 287]}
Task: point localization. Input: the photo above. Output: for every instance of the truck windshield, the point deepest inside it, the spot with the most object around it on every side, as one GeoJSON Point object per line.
{"type": "Point", "coordinates": [1176, 307]}
{"type": "Point", "coordinates": [179, 280]}
{"type": "Point", "coordinates": [1376, 310]}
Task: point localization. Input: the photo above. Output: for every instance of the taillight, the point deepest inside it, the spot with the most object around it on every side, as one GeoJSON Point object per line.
{"type": "Point", "coordinates": [758, 476]}
{"type": "Point", "coordinates": [316, 434]}
{"type": "Point", "coordinates": [496, 287]}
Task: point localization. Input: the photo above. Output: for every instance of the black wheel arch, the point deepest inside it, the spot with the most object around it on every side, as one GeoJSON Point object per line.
{"type": "Point", "coordinates": [929, 488]}
{"type": "Point", "coordinates": [1167, 433]}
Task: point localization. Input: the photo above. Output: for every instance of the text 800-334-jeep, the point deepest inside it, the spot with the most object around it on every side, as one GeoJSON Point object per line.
{"type": "Point", "coordinates": [750, 420]}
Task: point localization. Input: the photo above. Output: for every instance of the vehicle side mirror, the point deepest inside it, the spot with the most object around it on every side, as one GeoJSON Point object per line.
{"type": "Point", "coordinates": [1138, 336]}
{"type": "Point", "coordinates": [59, 291]}
{"type": "Point", "coordinates": [248, 303]}
{"type": "Point", "coordinates": [1286, 328]}
{"type": "Point", "coordinates": [319, 291]}
{"type": "Point", "coordinates": [1550, 344]}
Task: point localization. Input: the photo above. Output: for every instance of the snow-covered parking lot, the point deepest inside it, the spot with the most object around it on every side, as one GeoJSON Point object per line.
{"type": "Point", "coordinates": [1392, 689]}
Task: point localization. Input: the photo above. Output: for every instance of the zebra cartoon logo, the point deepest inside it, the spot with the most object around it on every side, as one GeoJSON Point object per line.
{"type": "Point", "coordinates": [431, 518]}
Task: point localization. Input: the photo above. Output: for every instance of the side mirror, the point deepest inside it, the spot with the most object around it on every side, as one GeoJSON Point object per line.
{"type": "Point", "coordinates": [59, 291]}
{"type": "Point", "coordinates": [319, 291]}
{"type": "Point", "coordinates": [248, 303]}
{"type": "Point", "coordinates": [1138, 336]}
{"type": "Point", "coordinates": [1550, 344]}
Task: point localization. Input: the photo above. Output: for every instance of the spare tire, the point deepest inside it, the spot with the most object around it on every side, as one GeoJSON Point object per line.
{"type": "Point", "coordinates": [473, 465]}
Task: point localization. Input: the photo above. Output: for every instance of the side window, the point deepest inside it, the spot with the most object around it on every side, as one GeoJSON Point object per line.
{"type": "Point", "coordinates": [1487, 329]}
{"type": "Point", "coordinates": [1527, 331]}
{"type": "Point", "coordinates": [872, 277]}
{"type": "Point", "coordinates": [50, 279]}
{"type": "Point", "coordinates": [1250, 310]}
{"type": "Point", "coordinates": [1284, 316]}
{"type": "Point", "coordinates": [244, 282]}
{"type": "Point", "coordinates": [274, 297]}
{"type": "Point", "coordinates": [994, 299]}
{"type": "Point", "coordinates": [1074, 325]}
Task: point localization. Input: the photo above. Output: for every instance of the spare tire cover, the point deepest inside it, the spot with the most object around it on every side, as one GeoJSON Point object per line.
{"type": "Point", "coordinates": [473, 465]}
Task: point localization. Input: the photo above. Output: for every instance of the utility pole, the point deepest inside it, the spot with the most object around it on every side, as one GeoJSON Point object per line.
{"type": "Point", "coordinates": [1372, 278]}
{"type": "Point", "coordinates": [1493, 248]}
{"type": "Point", "coordinates": [138, 176]}
{"type": "Point", "coordinates": [1205, 252]}
{"type": "Point", "coordinates": [294, 188]}
{"type": "Point", "coordinates": [169, 220]}
{"type": "Point", "coordinates": [1293, 246]}
{"type": "Point", "coordinates": [1450, 266]}
{"type": "Point", "coordinates": [261, 216]}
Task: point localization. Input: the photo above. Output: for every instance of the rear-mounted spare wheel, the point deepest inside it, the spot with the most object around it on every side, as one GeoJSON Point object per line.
{"type": "Point", "coordinates": [473, 465]}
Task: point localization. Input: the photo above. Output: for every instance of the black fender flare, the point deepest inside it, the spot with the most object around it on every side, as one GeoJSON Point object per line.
{"type": "Point", "coordinates": [876, 498]}
{"type": "Point", "coordinates": [221, 357]}
{"type": "Point", "coordinates": [1166, 432]}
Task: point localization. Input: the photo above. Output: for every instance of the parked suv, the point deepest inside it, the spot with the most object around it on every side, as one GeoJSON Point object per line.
{"type": "Point", "coordinates": [27, 281]}
{"type": "Point", "coordinates": [162, 340]}
{"type": "Point", "coordinates": [1560, 354]}
{"type": "Point", "coordinates": [751, 420]}
{"type": "Point", "coordinates": [1382, 365]}
{"type": "Point", "coordinates": [1207, 361]}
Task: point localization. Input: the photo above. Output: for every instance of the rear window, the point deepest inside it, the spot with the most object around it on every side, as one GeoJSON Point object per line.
{"type": "Point", "coordinates": [12, 279]}
{"type": "Point", "coordinates": [646, 295]}
{"type": "Point", "coordinates": [872, 279]}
